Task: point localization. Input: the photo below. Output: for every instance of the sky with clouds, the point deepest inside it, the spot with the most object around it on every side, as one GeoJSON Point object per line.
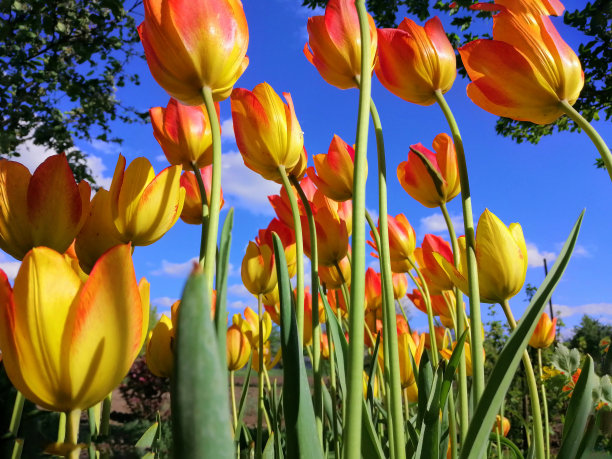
{"type": "Point", "coordinates": [543, 187]}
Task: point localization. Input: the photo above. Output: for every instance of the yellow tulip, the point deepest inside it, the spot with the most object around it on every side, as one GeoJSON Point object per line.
{"type": "Point", "coordinates": [238, 348]}
{"type": "Point", "coordinates": [501, 255]}
{"type": "Point", "coordinates": [145, 206]}
{"type": "Point", "coordinates": [268, 361]}
{"type": "Point", "coordinates": [160, 348]}
{"type": "Point", "coordinates": [408, 347]}
{"type": "Point", "coordinates": [66, 343]}
{"type": "Point", "coordinates": [258, 268]}
{"type": "Point", "coordinates": [249, 325]}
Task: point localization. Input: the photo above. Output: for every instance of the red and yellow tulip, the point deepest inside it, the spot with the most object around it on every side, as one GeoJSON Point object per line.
{"type": "Point", "coordinates": [436, 277]}
{"type": "Point", "coordinates": [258, 268]}
{"type": "Point", "coordinates": [238, 348]}
{"type": "Point", "coordinates": [192, 207]}
{"type": "Point", "coordinates": [544, 333]}
{"type": "Point", "coordinates": [334, 170]}
{"type": "Point", "coordinates": [402, 242]}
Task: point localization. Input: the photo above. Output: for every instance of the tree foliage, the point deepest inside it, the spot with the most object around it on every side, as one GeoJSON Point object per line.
{"type": "Point", "coordinates": [594, 21]}
{"type": "Point", "coordinates": [61, 62]}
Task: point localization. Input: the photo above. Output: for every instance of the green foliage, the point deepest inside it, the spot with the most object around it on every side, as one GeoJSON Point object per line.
{"type": "Point", "coordinates": [587, 337]}
{"type": "Point", "coordinates": [61, 64]}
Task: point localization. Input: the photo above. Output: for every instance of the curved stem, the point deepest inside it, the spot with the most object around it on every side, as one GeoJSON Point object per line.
{"type": "Point", "coordinates": [468, 223]}
{"type": "Point", "coordinates": [462, 379]}
{"type": "Point", "coordinates": [538, 434]}
{"type": "Point", "coordinates": [234, 413]}
{"type": "Point", "coordinates": [215, 190]}
{"type": "Point", "coordinates": [599, 143]}
{"type": "Point", "coordinates": [260, 380]}
{"type": "Point", "coordinates": [352, 432]}
{"type": "Point", "coordinates": [316, 326]}
{"type": "Point", "coordinates": [200, 181]}
{"type": "Point", "coordinates": [435, 357]}
{"type": "Point", "coordinates": [334, 391]}
{"type": "Point", "coordinates": [16, 415]}
{"type": "Point", "coordinates": [544, 405]}
{"type": "Point", "coordinates": [299, 252]}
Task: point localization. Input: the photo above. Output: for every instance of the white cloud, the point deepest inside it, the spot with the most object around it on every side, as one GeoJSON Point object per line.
{"type": "Point", "coordinates": [161, 158]}
{"type": "Point", "coordinates": [244, 188]}
{"type": "Point", "coordinates": [238, 307]}
{"type": "Point", "coordinates": [9, 266]}
{"type": "Point", "coordinates": [535, 258]}
{"type": "Point", "coordinates": [97, 171]}
{"type": "Point", "coordinates": [163, 301]}
{"type": "Point", "coordinates": [436, 224]}
{"type": "Point", "coordinates": [175, 269]}
{"type": "Point", "coordinates": [107, 148]}
{"type": "Point", "coordinates": [581, 252]}
{"type": "Point", "coordinates": [592, 309]}
{"type": "Point", "coordinates": [227, 131]}
{"type": "Point", "coordinates": [239, 290]}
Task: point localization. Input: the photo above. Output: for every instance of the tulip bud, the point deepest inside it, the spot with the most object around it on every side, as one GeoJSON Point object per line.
{"type": "Point", "coordinates": [238, 348]}
{"type": "Point", "coordinates": [501, 425]}
{"type": "Point", "coordinates": [402, 242]}
{"type": "Point", "coordinates": [334, 171]}
{"type": "Point", "coordinates": [330, 276]}
{"type": "Point", "coordinates": [160, 348]}
{"type": "Point", "coordinates": [258, 272]}
{"type": "Point", "coordinates": [192, 207]}
{"type": "Point", "coordinates": [373, 289]}
{"type": "Point", "coordinates": [400, 285]}
{"type": "Point", "coordinates": [544, 333]}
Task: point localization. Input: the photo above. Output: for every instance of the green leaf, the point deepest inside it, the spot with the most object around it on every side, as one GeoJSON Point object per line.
{"type": "Point", "coordinates": [243, 396]}
{"type": "Point", "coordinates": [565, 360]}
{"type": "Point", "coordinates": [429, 440]}
{"type": "Point", "coordinates": [424, 384]}
{"type": "Point", "coordinates": [338, 341]}
{"type": "Point", "coordinates": [221, 284]}
{"type": "Point", "coordinates": [501, 377]}
{"type": "Point", "coordinates": [370, 390]}
{"type": "Point", "coordinates": [147, 439]}
{"type": "Point", "coordinates": [449, 374]}
{"type": "Point", "coordinates": [370, 443]}
{"type": "Point", "coordinates": [587, 444]}
{"type": "Point", "coordinates": [200, 414]}
{"type": "Point", "coordinates": [300, 423]}
{"type": "Point", "coordinates": [580, 406]}
{"type": "Point", "coordinates": [509, 444]}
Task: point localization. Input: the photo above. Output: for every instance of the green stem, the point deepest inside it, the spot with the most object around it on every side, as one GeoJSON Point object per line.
{"type": "Point", "coordinates": [73, 419]}
{"type": "Point", "coordinates": [452, 424]}
{"type": "Point", "coordinates": [299, 252]}
{"type": "Point", "coordinates": [234, 413]}
{"type": "Point", "coordinates": [333, 390]}
{"type": "Point", "coordinates": [478, 380]}
{"type": "Point", "coordinates": [395, 384]}
{"type": "Point", "coordinates": [462, 379]}
{"type": "Point", "coordinates": [215, 190]}
{"type": "Point", "coordinates": [17, 448]}
{"type": "Point", "coordinates": [544, 405]}
{"type": "Point", "coordinates": [352, 432]}
{"type": "Point", "coordinates": [16, 416]}
{"type": "Point", "coordinates": [260, 380]}
{"type": "Point", "coordinates": [61, 428]}
{"type": "Point", "coordinates": [205, 211]}
{"type": "Point", "coordinates": [106, 409]}
{"type": "Point", "coordinates": [538, 433]}
{"type": "Point", "coordinates": [599, 143]}
{"type": "Point", "coordinates": [316, 325]}
{"type": "Point", "coordinates": [435, 357]}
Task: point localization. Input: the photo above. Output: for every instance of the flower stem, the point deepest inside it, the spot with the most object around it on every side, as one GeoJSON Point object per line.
{"type": "Point", "coordinates": [462, 380]}
{"type": "Point", "coordinates": [538, 434]}
{"type": "Point", "coordinates": [299, 252]}
{"type": "Point", "coordinates": [316, 326]}
{"type": "Point", "coordinates": [61, 428]}
{"type": "Point", "coordinates": [435, 357]}
{"type": "Point", "coordinates": [260, 380]}
{"type": "Point", "coordinates": [395, 385]}
{"type": "Point", "coordinates": [215, 190]}
{"type": "Point", "coordinates": [544, 405]}
{"type": "Point", "coordinates": [105, 418]}
{"type": "Point", "coordinates": [333, 390]}
{"type": "Point", "coordinates": [73, 419]}
{"type": "Point", "coordinates": [205, 212]}
{"type": "Point", "coordinates": [234, 413]}
{"type": "Point", "coordinates": [16, 416]}
{"type": "Point", "coordinates": [599, 143]}
{"type": "Point", "coordinates": [352, 432]}
{"type": "Point", "coordinates": [470, 239]}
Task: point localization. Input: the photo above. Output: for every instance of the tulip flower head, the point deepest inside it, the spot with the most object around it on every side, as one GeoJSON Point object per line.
{"type": "Point", "coordinates": [447, 353]}
{"type": "Point", "coordinates": [501, 255]}
{"type": "Point", "coordinates": [400, 285]}
{"type": "Point", "coordinates": [46, 209]}
{"type": "Point", "coordinates": [501, 425]}
{"type": "Point", "coordinates": [373, 289]}
{"type": "Point", "coordinates": [160, 348]}
{"type": "Point", "coordinates": [334, 171]}
{"type": "Point", "coordinates": [436, 278]}
{"type": "Point", "coordinates": [193, 45]}
{"type": "Point", "coordinates": [287, 237]}
{"type": "Point", "coordinates": [238, 348]}
{"type": "Point", "coordinates": [525, 71]}
{"type": "Point", "coordinates": [269, 361]}
{"type": "Point", "coordinates": [330, 276]}
{"type": "Point", "coordinates": [414, 62]}
{"type": "Point", "coordinates": [69, 347]}
{"type": "Point", "coordinates": [409, 351]}
{"type": "Point", "coordinates": [437, 182]}
{"type": "Point", "coordinates": [249, 325]}
{"type": "Point", "coordinates": [402, 242]}
{"type": "Point", "coordinates": [268, 133]}
{"type": "Point", "coordinates": [544, 333]}
{"type": "Point", "coordinates": [258, 268]}
{"type": "Point", "coordinates": [184, 133]}
{"type": "Point", "coordinates": [334, 44]}
{"type": "Point", "coordinates": [145, 206]}
{"type": "Point", "coordinates": [192, 207]}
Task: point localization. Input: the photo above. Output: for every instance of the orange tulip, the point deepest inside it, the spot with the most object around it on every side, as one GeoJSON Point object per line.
{"type": "Point", "coordinates": [373, 324]}
{"type": "Point", "coordinates": [441, 337]}
{"type": "Point", "coordinates": [184, 133]}
{"type": "Point", "coordinates": [525, 71]}
{"type": "Point", "coordinates": [408, 348]}
{"type": "Point", "coordinates": [402, 242]}
{"type": "Point", "coordinates": [373, 289]}
{"type": "Point", "coordinates": [67, 343]}
{"type": "Point", "coordinates": [332, 237]}
{"type": "Point", "coordinates": [258, 268]}
{"type": "Point", "coordinates": [46, 209]}
{"type": "Point", "coordinates": [334, 171]}
{"type": "Point", "coordinates": [446, 355]}
{"type": "Point", "coordinates": [436, 278]}
{"type": "Point", "coordinates": [145, 206]}
{"type": "Point", "coordinates": [287, 238]}
{"type": "Point", "coordinates": [335, 44]}
{"type": "Point", "coordinates": [268, 133]}
{"type": "Point", "coordinates": [335, 302]}
{"type": "Point", "coordinates": [501, 425]}
{"type": "Point", "coordinates": [308, 315]}
{"type": "Point", "coordinates": [238, 348]}
{"type": "Point", "coordinates": [414, 61]}
{"type": "Point", "coordinates": [190, 46]}
{"type": "Point", "coordinates": [544, 333]}
{"type": "Point", "coordinates": [324, 346]}
{"type": "Point", "coordinates": [281, 205]}
{"type": "Point", "coordinates": [331, 278]}
{"type": "Point", "coordinates": [415, 178]}
{"type": "Point", "coordinates": [192, 207]}
{"type": "Point", "coordinates": [271, 303]}
{"type": "Point", "coordinates": [268, 361]}
{"type": "Point", "coordinates": [98, 233]}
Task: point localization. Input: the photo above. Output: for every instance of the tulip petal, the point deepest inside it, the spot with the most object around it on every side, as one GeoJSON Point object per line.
{"type": "Point", "coordinates": [144, 289]}
{"type": "Point", "coordinates": [15, 235]}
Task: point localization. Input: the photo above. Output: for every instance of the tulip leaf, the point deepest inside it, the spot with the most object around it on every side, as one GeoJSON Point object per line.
{"type": "Point", "coordinates": [370, 390]}
{"type": "Point", "coordinates": [434, 173]}
{"type": "Point", "coordinates": [370, 443]}
{"type": "Point", "coordinates": [413, 439]}
{"type": "Point", "coordinates": [580, 406]}
{"type": "Point", "coordinates": [424, 384]}
{"type": "Point", "coordinates": [501, 377]}
{"type": "Point", "coordinates": [300, 423]}
{"type": "Point", "coordinates": [200, 402]}
{"type": "Point", "coordinates": [509, 444]}
{"type": "Point", "coordinates": [429, 440]}
{"type": "Point", "coordinates": [451, 368]}
{"type": "Point", "coordinates": [338, 342]}
{"type": "Point", "coordinates": [585, 450]}
{"type": "Point", "coordinates": [245, 389]}
{"type": "Point", "coordinates": [150, 435]}
{"type": "Point", "coordinates": [221, 284]}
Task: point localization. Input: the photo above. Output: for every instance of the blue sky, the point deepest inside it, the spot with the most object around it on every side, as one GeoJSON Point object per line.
{"type": "Point", "coordinates": [543, 187]}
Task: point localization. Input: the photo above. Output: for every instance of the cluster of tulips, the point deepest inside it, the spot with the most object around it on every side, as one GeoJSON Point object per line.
{"type": "Point", "coordinates": [76, 318]}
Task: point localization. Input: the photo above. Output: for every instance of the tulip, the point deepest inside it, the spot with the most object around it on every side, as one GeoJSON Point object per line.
{"type": "Point", "coordinates": [446, 355]}
{"type": "Point", "coordinates": [268, 361]}
{"type": "Point", "coordinates": [184, 133]}
{"type": "Point", "coordinates": [46, 209]}
{"type": "Point", "coordinates": [525, 71]}
{"type": "Point", "coordinates": [501, 425]}
{"type": "Point", "coordinates": [412, 393]}
{"type": "Point", "coordinates": [249, 325]}
{"type": "Point", "coordinates": [160, 348]}
{"type": "Point", "coordinates": [402, 242]}
{"type": "Point", "coordinates": [337, 301]}
{"type": "Point", "coordinates": [501, 255]}
{"type": "Point", "coordinates": [441, 337]}
{"type": "Point", "coordinates": [401, 324]}
{"type": "Point", "coordinates": [414, 62]}
{"type": "Point", "coordinates": [308, 316]}
{"type": "Point", "coordinates": [330, 276]}
{"type": "Point", "coordinates": [373, 290]}
{"type": "Point", "coordinates": [436, 278]}
{"type": "Point", "coordinates": [324, 346]}
{"type": "Point", "coordinates": [400, 285]}
{"type": "Point", "coordinates": [190, 46]}
{"type": "Point", "coordinates": [271, 302]}
{"type": "Point", "coordinates": [373, 325]}
{"type": "Point", "coordinates": [366, 381]}
{"type": "Point", "coordinates": [66, 344]}
{"type": "Point", "coordinates": [282, 207]}
{"type": "Point", "coordinates": [268, 133]}
{"type": "Point", "coordinates": [409, 351]}
{"type": "Point", "coordinates": [544, 333]}
{"type": "Point", "coordinates": [334, 171]}
{"type": "Point", "coordinates": [238, 348]}
{"type": "Point", "coordinates": [334, 44]}
{"type": "Point", "coordinates": [287, 238]}
{"type": "Point", "coordinates": [417, 180]}
{"type": "Point", "coordinates": [98, 233]}
{"type": "Point", "coordinates": [332, 237]}
{"type": "Point", "coordinates": [192, 207]}
{"type": "Point", "coordinates": [144, 206]}
{"type": "Point", "coordinates": [258, 271]}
